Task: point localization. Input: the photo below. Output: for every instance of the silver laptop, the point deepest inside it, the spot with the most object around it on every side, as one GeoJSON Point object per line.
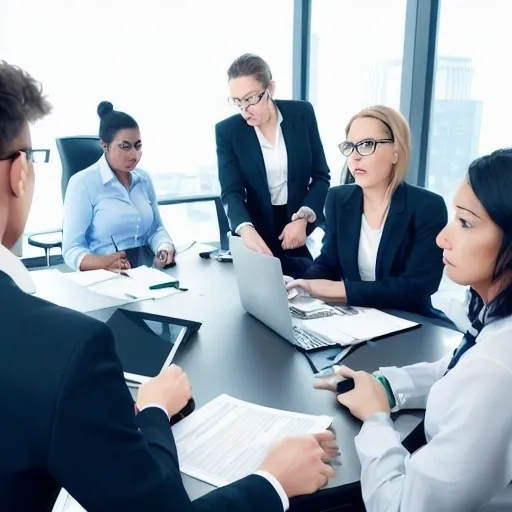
{"type": "Point", "coordinates": [263, 295]}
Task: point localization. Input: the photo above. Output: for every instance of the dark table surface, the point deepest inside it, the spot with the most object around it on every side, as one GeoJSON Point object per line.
{"type": "Point", "coordinates": [234, 353]}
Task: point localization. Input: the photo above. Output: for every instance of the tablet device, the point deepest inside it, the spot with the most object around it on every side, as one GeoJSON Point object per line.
{"type": "Point", "coordinates": [147, 343]}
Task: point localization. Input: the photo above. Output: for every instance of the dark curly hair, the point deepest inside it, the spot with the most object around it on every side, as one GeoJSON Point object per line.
{"type": "Point", "coordinates": [21, 100]}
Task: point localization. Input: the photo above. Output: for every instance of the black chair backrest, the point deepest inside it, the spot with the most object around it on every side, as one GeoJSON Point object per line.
{"type": "Point", "coordinates": [77, 153]}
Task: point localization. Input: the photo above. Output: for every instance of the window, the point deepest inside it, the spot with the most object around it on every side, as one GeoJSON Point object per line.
{"type": "Point", "coordinates": [164, 63]}
{"type": "Point", "coordinates": [471, 107]}
{"type": "Point", "coordinates": [356, 61]}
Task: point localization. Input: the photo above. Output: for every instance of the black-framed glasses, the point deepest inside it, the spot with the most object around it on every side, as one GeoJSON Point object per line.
{"type": "Point", "coordinates": [364, 147]}
{"type": "Point", "coordinates": [35, 156]}
{"type": "Point", "coordinates": [247, 102]}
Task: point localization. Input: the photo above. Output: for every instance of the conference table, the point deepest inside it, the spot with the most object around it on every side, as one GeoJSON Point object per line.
{"type": "Point", "coordinates": [235, 354]}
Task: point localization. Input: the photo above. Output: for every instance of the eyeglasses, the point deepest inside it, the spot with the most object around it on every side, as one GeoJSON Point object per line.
{"type": "Point", "coordinates": [126, 146]}
{"type": "Point", "coordinates": [251, 100]}
{"type": "Point", "coordinates": [364, 148]}
{"type": "Point", "coordinates": [33, 156]}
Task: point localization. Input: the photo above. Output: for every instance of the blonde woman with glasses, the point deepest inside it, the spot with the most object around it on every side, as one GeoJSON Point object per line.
{"type": "Point", "coordinates": [379, 248]}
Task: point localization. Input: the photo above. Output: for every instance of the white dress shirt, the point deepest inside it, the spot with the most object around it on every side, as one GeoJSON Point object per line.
{"type": "Point", "coordinates": [15, 269]}
{"type": "Point", "coordinates": [466, 464]}
{"type": "Point", "coordinates": [369, 241]}
{"type": "Point", "coordinates": [275, 158]}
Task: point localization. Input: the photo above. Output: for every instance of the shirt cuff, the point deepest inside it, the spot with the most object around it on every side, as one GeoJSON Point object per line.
{"type": "Point", "coordinates": [272, 480]}
{"type": "Point", "coordinates": [240, 226]}
{"type": "Point", "coordinates": [305, 213]}
{"type": "Point", "coordinates": [79, 260]}
{"type": "Point", "coordinates": [378, 418]}
{"type": "Point", "coordinates": [401, 384]}
{"type": "Point", "coordinates": [158, 406]}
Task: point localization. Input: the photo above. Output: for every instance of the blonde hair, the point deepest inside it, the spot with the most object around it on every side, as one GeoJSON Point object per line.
{"type": "Point", "coordinates": [399, 130]}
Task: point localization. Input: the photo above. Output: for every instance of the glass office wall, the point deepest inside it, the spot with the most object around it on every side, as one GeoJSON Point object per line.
{"type": "Point", "coordinates": [162, 62]}
{"type": "Point", "coordinates": [471, 108]}
{"type": "Point", "coordinates": [356, 51]}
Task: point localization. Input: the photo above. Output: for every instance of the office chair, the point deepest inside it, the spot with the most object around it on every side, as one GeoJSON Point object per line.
{"type": "Point", "coordinates": [76, 153]}
{"type": "Point", "coordinates": [346, 177]}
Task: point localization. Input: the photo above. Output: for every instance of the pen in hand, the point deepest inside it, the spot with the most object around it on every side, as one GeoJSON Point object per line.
{"type": "Point", "coordinates": [114, 242]}
{"type": "Point", "coordinates": [120, 270]}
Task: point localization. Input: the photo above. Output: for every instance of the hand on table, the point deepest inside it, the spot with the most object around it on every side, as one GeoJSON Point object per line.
{"type": "Point", "coordinates": [170, 389]}
{"type": "Point", "coordinates": [367, 398]}
{"type": "Point", "coordinates": [321, 289]}
{"type": "Point", "coordinates": [298, 462]}
{"type": "Point", "coordinates": [116, 262]}
{"type": "Point", "coordinates": [164, 257]}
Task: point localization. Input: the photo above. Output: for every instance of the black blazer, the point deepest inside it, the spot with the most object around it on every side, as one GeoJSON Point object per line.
{"type": "Point", "coordinates": [409, 263]}
{"type": "Point", "coordinates": [68, 420]}
{"type": "Point", "coordinates": [243, 179]}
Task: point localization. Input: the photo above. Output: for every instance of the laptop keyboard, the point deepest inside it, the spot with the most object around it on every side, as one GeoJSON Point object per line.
{"type": "Point", "coordinates": [308, 341]}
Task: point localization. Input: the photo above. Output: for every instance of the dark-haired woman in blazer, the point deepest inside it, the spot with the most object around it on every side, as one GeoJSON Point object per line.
{"type": "Point", "coordinates": [466, 464]}
{"type": "Point", "coordinates": [272, 169]}
{"type": "Point", "coordinates": [380, 247]}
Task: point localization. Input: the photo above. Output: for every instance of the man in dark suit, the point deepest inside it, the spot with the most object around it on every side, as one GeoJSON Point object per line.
{"type": "Point", "coordinates": [68, 419]}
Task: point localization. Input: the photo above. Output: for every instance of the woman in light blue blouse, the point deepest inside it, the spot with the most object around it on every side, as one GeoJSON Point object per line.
{"type": "Point", "coordinates": [111, 206]}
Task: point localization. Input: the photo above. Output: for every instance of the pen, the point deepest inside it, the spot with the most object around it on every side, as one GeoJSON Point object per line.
{"type": "Point", "coordinates": [115, 245]}
{"type": "Point", "coordinates": [171, 284]}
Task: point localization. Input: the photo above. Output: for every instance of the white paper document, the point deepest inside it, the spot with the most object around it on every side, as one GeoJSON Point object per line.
{"type": "Point", "coordinates": [133, 286]}
{"type": "Point", "coordinates": [55, 287]}
{"type": "Point", "coordinates": [91, 277]}
{"type": "Point", "coordinates": [357, 325]}
{"type": "Point", "coordinates": [227, 439]}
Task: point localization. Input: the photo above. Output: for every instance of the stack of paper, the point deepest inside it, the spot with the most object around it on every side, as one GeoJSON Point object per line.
{"type": "Point", "coordinates": [308, 307]}
{"type": "Point", "coordinates": [227, 439]}
{"type": "Point", "coordinates": [357, 325]}
{"type": "Point", "coordinates": [133, 284]}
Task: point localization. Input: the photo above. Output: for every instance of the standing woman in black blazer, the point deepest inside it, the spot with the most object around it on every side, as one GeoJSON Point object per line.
{"type": "Point", "coordinates": [379, 248]}
{"type": "Point", "coordinates": [272, 168]}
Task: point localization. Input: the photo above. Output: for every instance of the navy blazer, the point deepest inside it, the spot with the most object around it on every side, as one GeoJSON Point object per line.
{"type": "Point", "coordinates": [242, 175]}
{"type": "Point", "coordinates": [68, 420]}
{"type": "Point", "coordinates": [409, 263]}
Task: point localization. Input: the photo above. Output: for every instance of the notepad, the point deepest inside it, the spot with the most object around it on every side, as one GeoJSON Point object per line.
{"type": "Point", "coordinates": [134, 286]}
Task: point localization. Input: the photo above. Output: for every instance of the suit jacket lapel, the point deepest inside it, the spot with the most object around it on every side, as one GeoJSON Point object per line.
{"type": "Point", "coordinates": [349, 230]}
{"type": "Point", "coordinates": [288, 127]}
{"type": "Point", "coordinates": [393, 233]}
{"type": "Point", "coordinates": [248, 140]}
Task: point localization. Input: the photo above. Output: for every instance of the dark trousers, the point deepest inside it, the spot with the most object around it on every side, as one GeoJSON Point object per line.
{"type": "Point", "coordinates": [294, 262]}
